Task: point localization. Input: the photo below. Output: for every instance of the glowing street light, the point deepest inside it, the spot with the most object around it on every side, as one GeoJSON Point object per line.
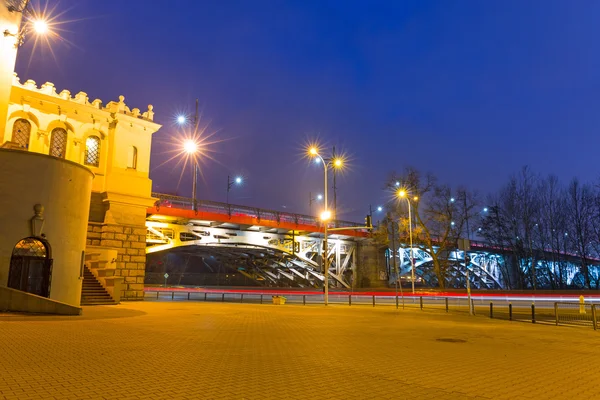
{"type": "Point", "coordinates": [237, 180]}
{"type": "Point", "coordinates": [181, 119]}
{"type": "Point", "coordinates": [380, 209]}
{"type": "Point", "coordinates": [312, 199]}
{"type": "Point", "coordinates": [403, 194]}
{"type": "Point", "coordinates": [190, 146]}
{"type": "Point", "coordinates": [40, 26]}
{"type": "Point", "coordinates": [326, 216]}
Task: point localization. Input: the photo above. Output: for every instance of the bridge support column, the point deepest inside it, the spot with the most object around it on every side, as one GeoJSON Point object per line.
{"type": "Point", "coordinates": [370, 266]}
{"type": "Point", "coordinates": [130, 244]}
{"type": "Point", "coordinates": [123, 229]}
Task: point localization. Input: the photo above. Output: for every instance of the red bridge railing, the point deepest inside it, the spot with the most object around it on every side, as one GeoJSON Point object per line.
{"type": "Point", "coordinates": [186, 203]}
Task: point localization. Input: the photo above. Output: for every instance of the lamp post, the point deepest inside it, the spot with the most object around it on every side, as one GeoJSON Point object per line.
{"type": "Point", "coordinates": [326, 214]}
{"type": "Point", "coordinates": [191, 148]}
{"type": "Point", "coordinates": [311, 200]}
{"type": "Point", "coordinates": [237, 180]}
{"type": "Point", "coordinates": [403, 194]}
{"type": "Point", "coordinates": [13, 31]}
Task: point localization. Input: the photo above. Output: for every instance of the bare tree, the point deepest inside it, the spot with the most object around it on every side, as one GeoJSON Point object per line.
{"type": "Point", "coordinates": [580, 213]}
{"type": "Point", "coordinates": [496, 230]}
{"type": "Point", "coordinates": [548, 235]}
{"type": "Point", "coordinates": [511, 224]}
{"type": "Point", "coordinates": [439, 217]}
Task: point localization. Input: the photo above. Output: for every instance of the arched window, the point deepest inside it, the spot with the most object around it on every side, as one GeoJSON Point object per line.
{"type": "Point", "coordinates": [92, 151]}
{"type": "Point", "coordinates": [132, 157]}
{"type": "Point", "coordinates": [21, 132]}
{"type": "Point", "coordinates": [31, 267]}
{"type": "Point", "coordinates": [58, 142]}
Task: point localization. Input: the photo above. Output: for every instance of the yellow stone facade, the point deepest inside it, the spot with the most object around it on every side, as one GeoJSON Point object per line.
{"type": "Point", "coordinates": [114, 142]}
{"type": "Point", "coordinates": [111, 139]}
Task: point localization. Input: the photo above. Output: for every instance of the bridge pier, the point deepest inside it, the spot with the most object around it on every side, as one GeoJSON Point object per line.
{"type": "Point", "coordinates": [370, 266]}
{"type": "Point", "coordinates": [119, 224]}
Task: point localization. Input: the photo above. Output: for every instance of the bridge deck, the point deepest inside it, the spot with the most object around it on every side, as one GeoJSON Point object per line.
{"type": "Point", "coordinates": [169, 208]}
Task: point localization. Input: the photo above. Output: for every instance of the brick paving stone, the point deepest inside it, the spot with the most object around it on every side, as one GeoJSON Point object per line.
{"type": "Point", "coordinates": [197, 350]}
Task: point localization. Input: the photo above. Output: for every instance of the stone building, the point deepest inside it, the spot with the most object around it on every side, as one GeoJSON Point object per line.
{"type": "Point", "coordinates": [111, 140]}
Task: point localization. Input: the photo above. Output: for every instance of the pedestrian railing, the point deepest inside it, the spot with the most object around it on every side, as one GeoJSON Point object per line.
{"type": "Point", "coordinates": [576, 314]}
{"type": "Point", "coordinates": [558, 313]}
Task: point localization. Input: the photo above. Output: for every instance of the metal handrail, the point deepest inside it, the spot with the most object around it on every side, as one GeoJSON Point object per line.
{"type": "Point", "coordinates": [236, 209]}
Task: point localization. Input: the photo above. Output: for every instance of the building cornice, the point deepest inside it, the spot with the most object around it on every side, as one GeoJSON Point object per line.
{"type": "Point", "coordinates": [115, 111]}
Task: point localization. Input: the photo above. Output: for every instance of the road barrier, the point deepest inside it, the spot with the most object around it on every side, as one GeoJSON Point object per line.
{"type": "Point", "coordinates": [546, 312]}
{"type": "Point", "coordinates": [571, 313]}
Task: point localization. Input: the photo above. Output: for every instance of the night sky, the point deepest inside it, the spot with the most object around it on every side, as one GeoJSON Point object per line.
{"type": "Point", "coordinates": [469, 90]}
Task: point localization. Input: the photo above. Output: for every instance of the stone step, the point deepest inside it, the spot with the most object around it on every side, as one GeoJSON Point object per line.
{"type": "Point", "coordinates": [92, 292]}
{"type": "Point", "coordinates": [95, 299]}
{"type": "Point", "coordinates": [97, 302]}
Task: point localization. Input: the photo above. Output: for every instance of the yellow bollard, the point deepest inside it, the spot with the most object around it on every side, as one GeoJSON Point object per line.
{"type": "Point", "coordinates": [581, 305]}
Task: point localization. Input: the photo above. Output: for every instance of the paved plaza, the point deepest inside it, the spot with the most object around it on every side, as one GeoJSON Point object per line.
{"type": "Point", "coordinates": [196, 350]}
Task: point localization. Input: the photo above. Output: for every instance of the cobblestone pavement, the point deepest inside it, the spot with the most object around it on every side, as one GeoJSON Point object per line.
{"type": "Point", "coordinates": [189, 350]}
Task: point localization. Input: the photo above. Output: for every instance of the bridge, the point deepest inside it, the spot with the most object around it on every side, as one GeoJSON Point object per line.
{"type": "Point", "coordinates": [274, 248]}
{"type": "Point", "coordinates": [488, 266]}
{"type": "Point", "coordinates": [266, 246]}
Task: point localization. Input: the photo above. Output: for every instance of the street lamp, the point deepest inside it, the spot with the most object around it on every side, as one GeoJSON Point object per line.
{"type": "Point", "coordinates": [404, 195]}
{"type": "Point", "coordinates": [326, 214]}
{"type": "Point", "coordinates": [181, 119]}
{"type": "Point", "coordinates": [237, 180]}
{"type": "Point", "coordinates": [191, 148]}
{"type": "Point", "coordinates": [311, 200]}
{"type": "Point", "coordinates": [39, 26]}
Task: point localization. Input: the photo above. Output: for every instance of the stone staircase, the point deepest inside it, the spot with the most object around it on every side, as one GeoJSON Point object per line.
{"type": "Point", "coordinates": [92, 292]}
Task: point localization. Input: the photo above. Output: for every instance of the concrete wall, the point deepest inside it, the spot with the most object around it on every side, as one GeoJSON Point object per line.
{"type": "Point", "coordinates": [64, 189]}
{"type": "Point", "coordinates": [15, 300]}
{"type": "Point", "coordinates": [371, 267]}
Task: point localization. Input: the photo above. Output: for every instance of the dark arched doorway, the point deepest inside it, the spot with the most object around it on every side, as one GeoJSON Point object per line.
{"type": "Point", "coordinates": [31, 267]}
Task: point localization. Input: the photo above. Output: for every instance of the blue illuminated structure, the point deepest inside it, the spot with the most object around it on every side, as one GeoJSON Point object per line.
{"type": "Point", "coordinates": [491, 268]}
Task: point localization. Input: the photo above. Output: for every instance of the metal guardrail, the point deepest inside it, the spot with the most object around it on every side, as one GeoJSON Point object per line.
{"type": "Point", "coordinates": [186, 203]}
{"type": "Point", "coordinates": [573, 313]}
{"type": "Point", "coordinates": [557, 313]}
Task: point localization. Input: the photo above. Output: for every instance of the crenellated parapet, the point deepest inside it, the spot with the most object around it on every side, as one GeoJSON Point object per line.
{"type": "Point", "coordinates": [114, 107]}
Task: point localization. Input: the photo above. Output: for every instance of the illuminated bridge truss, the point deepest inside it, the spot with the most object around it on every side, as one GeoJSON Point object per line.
{"type": "Point", "coordinates": [266, 255]}
{"type": "Point", "coordinates": [485, 269]}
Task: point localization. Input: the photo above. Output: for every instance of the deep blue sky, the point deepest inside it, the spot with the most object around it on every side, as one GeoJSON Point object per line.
{"type": "Point", "coordinates": [469, 90]}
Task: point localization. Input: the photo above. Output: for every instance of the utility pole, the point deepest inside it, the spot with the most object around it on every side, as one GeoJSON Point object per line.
{"type": "Point", "coordinates": [466, 245]}
{"type": "Point", "coordinates": [195, 199]}
{"type": "Point", "coordinates": [395, 266]}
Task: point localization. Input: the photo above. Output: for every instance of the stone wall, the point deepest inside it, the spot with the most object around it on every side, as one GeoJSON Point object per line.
{"type": "Point", "coordinates": [130, 243]}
